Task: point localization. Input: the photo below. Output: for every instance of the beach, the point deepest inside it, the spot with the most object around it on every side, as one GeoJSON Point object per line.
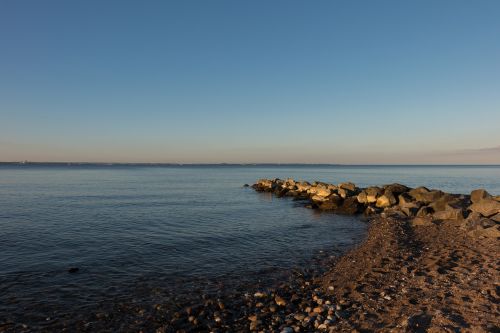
{"type": "Point", "coordinates": [427, 263]}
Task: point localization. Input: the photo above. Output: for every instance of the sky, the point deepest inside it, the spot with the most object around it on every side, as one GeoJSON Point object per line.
{"type": "Point", "coordinates": [350, 82]}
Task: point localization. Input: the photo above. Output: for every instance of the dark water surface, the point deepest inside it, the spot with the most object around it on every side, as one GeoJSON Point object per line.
{"type": "Point", "coordinates": [137, 231]}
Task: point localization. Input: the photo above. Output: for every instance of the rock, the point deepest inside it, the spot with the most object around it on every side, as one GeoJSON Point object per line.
{"type": "Point", "coordinates": [345, 193]}
{"type": "Point", "coordinates": [333, 202]}
{"type": "Point", "coordinates": [299, 316]}
{"type": "Point", "coordinates": [386, 200]}
{"type": "Point", "coordinates": [449, 213]}
{"type": "Point", "coordinates": [312, 190]}
{"type": "Point", "coordinates": [444, 201]}
{"type": "Point", "coordinates": [332, 187]}
{"type": "Point", "coordinates": [246, 185]}
{"type": "Point", "coordinates": [478, 195]}
{"type": "Point", "coordinates": [350, 206]}
{"type": "Point", "coordinates": [322, 327]}
{"type": "Point", "coordinates": [424, 195]}
{"type": "Point", "coordinates": [405, 199]}
{"type": "Point", "coordinates": [347, 186]}
{"type": "Point", "coordinates": [302, 186]}
{"type": "Point", "coordinates": [496, 218]}
{"type": "Point", "coordinates": [472, 221]}
{"type": "Point", "coordinates": [265, 185]}
{"type": "Point", "coordinates": [487, 223]}
{"type": "Point", "coordinates": [370, 211]}
{"type": "Point", "coordinates": [421, 221]}
{"type": "Point", "coordinates": [318, 199]}
{"type": "Point", "coordinates": [396, 189]}
{"type": "Point", "coordinates": [410, 209]}
{"type": "Point", "coordinates": [493, 232]}
{"type": "Point", "coordinates": [255, 324]}
{"type": "Point", "coordinates": [287, 330]}
{"type": "Point", "coordinates": [362, 197]}
{"type": "Point", "coordinates": [393, 212]}
{"type": "Point", "coordinates": [425, 211]}
{"type": "Point", "coordinates": [280, 301]}
{"type": "Point", "coordinates": [372, 193]}
{"type": "Point", "coordinates": [323, 191]}
{"type": "Point", "coordinates": [486, 207]}
{"type": "Point", "coordinates": [280, 192]}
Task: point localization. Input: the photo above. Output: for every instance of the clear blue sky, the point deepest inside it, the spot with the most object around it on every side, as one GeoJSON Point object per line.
{"type": "Point", "coordinates": [250, 81]}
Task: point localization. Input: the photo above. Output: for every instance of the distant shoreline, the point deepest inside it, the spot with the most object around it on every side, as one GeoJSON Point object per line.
{"type": "Point", "coordinates": [28, 163]}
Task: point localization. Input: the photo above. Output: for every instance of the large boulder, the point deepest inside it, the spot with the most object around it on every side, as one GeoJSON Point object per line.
{"type": "Point", "coordinates": [425, 211]}
{"type": "Point", "coordinates": [487, 232]}
{"type": "Point", "coordinates": [410, 208]}
{"type": "Point", "coordinates": [292, 193]}
{"type": "Point", "coordinates": [290, 182]}
{"type": "Point", "coordinates": [265, 185]}
{"type": "Point", "coordinates": [425, 195]}
{"type": "Point", "coordinates": [486, 207]}
{"type": "Point", "coordinates": [405, 198]}
{"type": "Point", "coordinates": [478, 195]}
{"type": "Point", "coordinates": [280, 191]}
{"type": "Point", "coordinates": [444, 201]}
{"type": "Point", "coordinates": [393, 211]}
{"type": "Point", "coordinates": [449, 213]}
{"type": "Point", "coordinates": [345, 193]}
{"type": "Point", "coordinates": [302, 186]}
{"type": "Point", "coordinates": [396, 188]}
{"type": "Point", "coordinates": [332, 187]}
{"type": "Point", "coordinates": [333, 202]}
{"type": "Point", "coordinates": [362, 197]}
{"type": "Point", "coordinates": [323, 191]}
{"type": "Point", "coordinates": [496, 218]}
{"type": "Point", "coordinates": [372, 193]}
{"type": "Point", "coordinates": [317, 199]}
{"type": "Point", "coordinates": [386, 200]}
{"type": "Point", "coordinates": [347, 186]}
{"type": "Point", "coordinates": [350, 206]}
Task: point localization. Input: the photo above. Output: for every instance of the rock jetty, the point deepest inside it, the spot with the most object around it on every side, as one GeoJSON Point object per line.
{"type": "Point", "coordinates": [477, 213]}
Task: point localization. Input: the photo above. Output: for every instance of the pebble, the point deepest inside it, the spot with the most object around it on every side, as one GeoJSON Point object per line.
{"type": "Point", "coordinates": [280, 301]}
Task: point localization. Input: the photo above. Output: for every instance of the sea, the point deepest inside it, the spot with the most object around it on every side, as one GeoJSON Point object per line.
{"type": "Point", "coordinates": [142, 233]}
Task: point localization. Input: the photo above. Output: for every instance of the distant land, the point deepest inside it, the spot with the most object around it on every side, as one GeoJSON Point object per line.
{"type": "Point", "coordinates": [28, 163]}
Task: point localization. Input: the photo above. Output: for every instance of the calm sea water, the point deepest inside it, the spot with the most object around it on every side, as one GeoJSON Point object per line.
{"type": "Point", "coordinates": [132, 228]}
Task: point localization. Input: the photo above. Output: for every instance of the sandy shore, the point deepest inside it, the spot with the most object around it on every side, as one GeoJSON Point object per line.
{"type": "Point", "coordinates": [407, 278]}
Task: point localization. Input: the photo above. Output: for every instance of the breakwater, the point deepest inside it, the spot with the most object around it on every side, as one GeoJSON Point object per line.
{"type": "Point", "coordinates": [478, 212]}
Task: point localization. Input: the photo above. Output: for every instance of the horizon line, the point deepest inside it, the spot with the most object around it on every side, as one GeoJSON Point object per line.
{"type": "Point", "coordinates": [229, 164]}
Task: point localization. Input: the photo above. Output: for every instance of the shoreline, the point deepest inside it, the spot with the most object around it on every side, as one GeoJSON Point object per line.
{"type": "Point", "coordinates": [429, 263]}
